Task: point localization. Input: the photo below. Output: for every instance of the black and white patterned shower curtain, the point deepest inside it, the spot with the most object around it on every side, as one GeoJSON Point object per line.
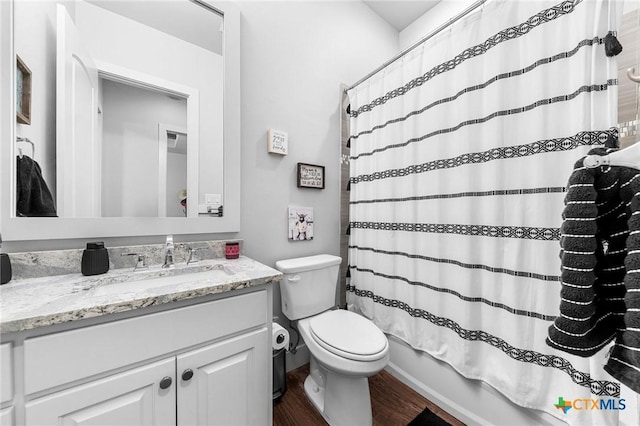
{"type": "Point", "coordinates": [460, 153]}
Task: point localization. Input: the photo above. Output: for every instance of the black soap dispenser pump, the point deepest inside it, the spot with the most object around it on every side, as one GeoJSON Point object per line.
{"type": "Point", "coordinates": [5, 267]}
{"type": "Point", "coordinates": [95, 259]}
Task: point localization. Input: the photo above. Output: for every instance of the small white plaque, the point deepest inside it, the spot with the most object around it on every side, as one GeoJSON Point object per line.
{"type": "Point", "coordinates": [277, 142]}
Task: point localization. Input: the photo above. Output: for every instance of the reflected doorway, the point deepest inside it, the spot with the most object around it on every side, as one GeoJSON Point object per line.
{"type": "Point", "coordinates": [142, 159]}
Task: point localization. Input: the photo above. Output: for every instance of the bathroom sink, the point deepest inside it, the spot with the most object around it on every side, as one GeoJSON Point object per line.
{"type": "Point", "coordinates": [157, 281]}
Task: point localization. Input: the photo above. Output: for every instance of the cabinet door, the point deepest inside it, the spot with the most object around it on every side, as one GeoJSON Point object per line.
{"type": "Point", "coordinates": [230, 382]}
{"type": "Point", "coordinates": [7, 417]}
{"type": "Point", "coordinates": [132, 398]}
{"type": "Point", "coordinates": [6, 372]}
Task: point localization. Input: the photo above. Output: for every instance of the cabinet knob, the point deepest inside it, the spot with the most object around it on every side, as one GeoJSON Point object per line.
{"type": "Point", "coordinates": [165, 382]}
{"type": "Point", "coordinates": [187, 374]}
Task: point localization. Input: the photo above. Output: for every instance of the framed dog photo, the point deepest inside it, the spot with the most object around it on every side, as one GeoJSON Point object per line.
{"type": "Point", "coordinates": [300, 223]}
{"type": "Point", "coordinates": [310, 176]}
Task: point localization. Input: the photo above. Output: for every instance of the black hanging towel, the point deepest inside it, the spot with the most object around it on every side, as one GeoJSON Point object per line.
{"type": "Point", "coordinates": [33, 195]}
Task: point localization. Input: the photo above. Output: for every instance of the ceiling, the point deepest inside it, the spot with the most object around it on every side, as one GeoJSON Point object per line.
{"type": "Point", "coordinates": [400, 13]}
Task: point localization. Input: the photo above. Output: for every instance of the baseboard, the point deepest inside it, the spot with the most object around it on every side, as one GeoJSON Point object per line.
{"type": "Point", "coordinates": [451, 407]}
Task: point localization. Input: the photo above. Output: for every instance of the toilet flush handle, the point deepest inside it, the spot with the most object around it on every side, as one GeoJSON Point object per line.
{"type": "Point", "coordinates": [294, 278]}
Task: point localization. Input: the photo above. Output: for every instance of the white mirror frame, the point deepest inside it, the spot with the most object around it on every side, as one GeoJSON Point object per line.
{"type": "Point", "coordinates": [44, 228]}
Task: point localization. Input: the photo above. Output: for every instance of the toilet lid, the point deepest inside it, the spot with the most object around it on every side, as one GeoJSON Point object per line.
{"type": "Point", "coordinates": [349, 335]}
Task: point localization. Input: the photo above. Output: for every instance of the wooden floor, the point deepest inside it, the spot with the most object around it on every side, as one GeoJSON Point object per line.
{"type": "Point", "coordinates": [392, 403]}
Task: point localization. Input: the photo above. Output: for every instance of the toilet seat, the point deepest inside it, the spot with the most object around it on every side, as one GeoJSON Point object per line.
{"type": "Point", "coordinates": [348, 335]}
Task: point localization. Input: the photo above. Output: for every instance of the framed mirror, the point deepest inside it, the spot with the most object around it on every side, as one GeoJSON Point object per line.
{"type": "Point", "coordinates": [135, 118]}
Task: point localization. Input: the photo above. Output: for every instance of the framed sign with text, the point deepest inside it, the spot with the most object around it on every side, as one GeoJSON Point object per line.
{"type": "Point", "coordinates": [310, 176]}
{"type": "Point", "coordinates": [277, 142]}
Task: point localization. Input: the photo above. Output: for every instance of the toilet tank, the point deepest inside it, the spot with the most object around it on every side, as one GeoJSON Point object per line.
{"type": "Point", "coordinates": [309, 285]}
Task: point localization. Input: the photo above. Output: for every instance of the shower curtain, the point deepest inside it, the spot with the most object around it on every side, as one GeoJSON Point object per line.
{"type": "Point", "coordinates": [459, 156]}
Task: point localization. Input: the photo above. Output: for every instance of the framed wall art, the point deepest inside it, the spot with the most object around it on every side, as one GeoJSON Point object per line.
{"type": "Point", "coordinates": [310, 176]}
{"type": "Point", "coordinates": [300, 223]}
{"type": "Point", "coordinates": [23, 92]}
{"type": "Point", "coordinates": [277, 142]}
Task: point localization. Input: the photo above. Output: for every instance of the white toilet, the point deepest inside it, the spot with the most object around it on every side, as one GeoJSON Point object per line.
{"type": "Point", "coordinates": [346, 348]}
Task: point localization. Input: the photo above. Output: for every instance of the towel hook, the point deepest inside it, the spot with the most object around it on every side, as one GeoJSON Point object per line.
{"type": "Point", "coordinates": [631, 73]}
{"type": "Point", "coordinates": [27, 140]}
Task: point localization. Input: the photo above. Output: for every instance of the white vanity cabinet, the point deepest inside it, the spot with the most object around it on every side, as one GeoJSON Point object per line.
{"type": "Point", "coordinates": [131, 398]}
{"type": "Point", "coordinates": [6, 385]}
{"type": "Point", "coordinates": [206, 363]}
{"type": "Point", "coordinates": [224, 384]}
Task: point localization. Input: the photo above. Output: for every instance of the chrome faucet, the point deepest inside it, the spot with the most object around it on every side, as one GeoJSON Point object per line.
{"type": "Point", "coordinates": [141, 261]}
{"type": "Point", "coordinates": [193, 255]}
{"type": "Point", "coordinates": [168, 253]}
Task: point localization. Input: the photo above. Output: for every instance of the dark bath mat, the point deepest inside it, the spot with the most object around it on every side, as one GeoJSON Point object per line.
{"type": "Point", "coordinates": [428, 418]}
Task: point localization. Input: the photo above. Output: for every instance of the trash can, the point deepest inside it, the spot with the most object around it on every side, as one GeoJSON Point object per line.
{"type": "Point", "coordinates": [279, 374]}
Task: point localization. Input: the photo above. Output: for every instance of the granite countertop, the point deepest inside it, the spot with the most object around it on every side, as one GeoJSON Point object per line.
{"type": "Point", "coordinates": [36, 302]}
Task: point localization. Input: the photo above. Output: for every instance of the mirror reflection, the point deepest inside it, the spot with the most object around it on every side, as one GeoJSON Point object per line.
{"type": "Point", "coordinates": [144, 152]}
{"type": "Point", "coordinates": [125, 108]}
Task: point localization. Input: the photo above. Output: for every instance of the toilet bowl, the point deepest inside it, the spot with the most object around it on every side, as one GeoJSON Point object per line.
{"type": "Point", "coordinates": [345, 348]}
{"type": "Point", "coordinates": [338, 384]}
{"type": "Point", "coordinates": [345, 342]}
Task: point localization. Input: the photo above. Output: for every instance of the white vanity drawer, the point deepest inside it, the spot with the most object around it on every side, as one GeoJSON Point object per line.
{"type": "Point", "coordinates": [65, 357]}
{"type": "Point", "coordinates": [6, 372]}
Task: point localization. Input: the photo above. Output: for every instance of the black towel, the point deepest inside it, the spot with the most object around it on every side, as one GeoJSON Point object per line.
{"type": "Point", "coordinates": [33, 195]}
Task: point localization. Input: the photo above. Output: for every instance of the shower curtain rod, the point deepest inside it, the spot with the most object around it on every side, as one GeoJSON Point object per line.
{"type": "Point", "coordinates": [419, 42]}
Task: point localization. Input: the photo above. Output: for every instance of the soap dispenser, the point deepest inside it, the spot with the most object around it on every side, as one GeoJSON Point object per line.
{"type": "Point", "coordinates": [95, 259]}
{"type": "Point", "coordinates": [5, 267]}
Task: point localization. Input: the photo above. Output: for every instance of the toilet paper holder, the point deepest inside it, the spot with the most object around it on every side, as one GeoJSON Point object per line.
{"type": "Point", "coordinates": [279, 337]}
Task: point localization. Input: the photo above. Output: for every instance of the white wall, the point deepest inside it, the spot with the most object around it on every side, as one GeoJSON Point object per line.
{"type": "Point", "coordinates": [295, 56]}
